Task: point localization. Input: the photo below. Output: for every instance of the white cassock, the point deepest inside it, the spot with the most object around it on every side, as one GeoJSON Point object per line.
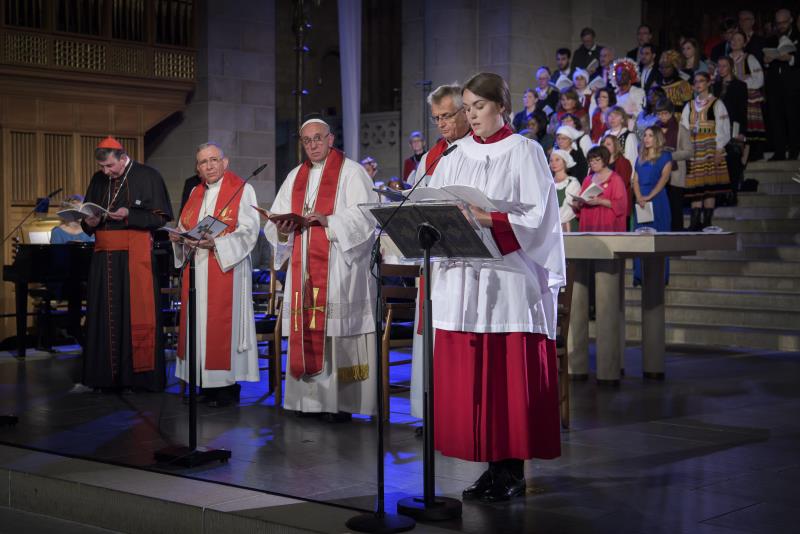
{"type": "Point", "coordinates": [232, 252]}
{"type": "Point", "coordinates": [350, 306]}
{"type": "Point", "coordinates": [418, 348]}
{"type": "Point", "coordinates": [517, 293]}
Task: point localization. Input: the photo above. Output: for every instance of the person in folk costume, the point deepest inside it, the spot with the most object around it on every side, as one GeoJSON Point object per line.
{"type": "Point", "coordinates": [226, 350]}
{"type": "Point", "coordinates": [567, 187]}
{"type": "Point", "coordinates": [747, 69]}
{"type": "Point", "coordinates": [706, 119]}
{"type": "Point", "coordinates": [617, 120]}
{"type": "Point", "coordinates": [676, 139]}
{"type": "Point", "coordinates": [547, 95]}
{"type": "Point", "coordinates": [580, 79]}
{"type": "Point", "coordinates": [733, 93]}
{"type": "Point", "coordinates": [447, 112]}
{"type": "Point", "coordinates": [329, 297]}
{"type": "Point", "coordinates": [494, 355]}
{"type": "Point", "coordinates": [417, 143]}
{"type": "Point", "coordinates": [678, 90]}
{"type": "Point", "coordinates": [566, 137]}
{"type": "Point", "coordinates": [123, 348]}
{"type": "Point", "coordinates": [629, 97]}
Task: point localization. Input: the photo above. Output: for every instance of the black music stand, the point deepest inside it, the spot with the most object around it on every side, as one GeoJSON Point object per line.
{"type": "Point", "coordinates": [191, 455]}
{"type": "Point", "coordinates": [422, 230]}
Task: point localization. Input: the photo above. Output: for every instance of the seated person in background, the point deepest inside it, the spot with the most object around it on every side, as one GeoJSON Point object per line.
{"type": "Point", "coordinates": [68, 232]}
{"type": "Point", "coordinates": [583, 141]}
{"type": "Point", "coordinates": [417, 143]}
{"type": "Point", "coordinates": [371, 166]}
{"type": "Point", "coordinates": [567, 187]}
{"type": "Point", "coordinates": [565, 140]}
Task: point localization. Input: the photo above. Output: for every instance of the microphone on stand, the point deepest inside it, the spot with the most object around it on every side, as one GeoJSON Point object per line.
{"type": "Point", "coordinates": [41, 206]}
{"type": "Point", "coordinates": [54, 193]}
{"type": "Point", "coordinates": [254, 173]}
{"type": "Point", "coordinates": [376, 248]}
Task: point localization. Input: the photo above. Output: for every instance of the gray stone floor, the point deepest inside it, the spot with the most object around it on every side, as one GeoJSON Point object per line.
{"type": "Point", "coordinates": [713, 449]}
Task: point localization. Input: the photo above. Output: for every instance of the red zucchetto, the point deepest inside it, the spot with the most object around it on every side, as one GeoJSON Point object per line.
{"type": "Point", "coordinates": [110, 142]}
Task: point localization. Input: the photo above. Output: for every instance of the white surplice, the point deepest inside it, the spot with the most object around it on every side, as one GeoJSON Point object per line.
{"type": "Point", "coordinates": [519, 292]}
{"type": "Point", "coordinates": [350, 306]}
{"type": "Point", "coordinates": [232, 251]}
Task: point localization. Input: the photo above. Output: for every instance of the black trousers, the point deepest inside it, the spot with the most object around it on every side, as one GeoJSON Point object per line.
{"type": "Point", "coordinates": [783, 111]}
{"type": "Point", "coordinates": [675, 195]}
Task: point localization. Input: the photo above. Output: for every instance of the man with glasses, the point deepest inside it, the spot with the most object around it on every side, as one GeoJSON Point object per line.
{"type": "Point", "coordinates": [123, 349]}
{"type": "Point", "coordinates": [447, 114]}
{"type": "Point", "coordinates": [783, 87]}
{"type": "Point", "coordinates": [417, 143]}
{"type": "Point", "coordinates": [329, 296]}
{"type": "Point", "coordinates": [226, 350]}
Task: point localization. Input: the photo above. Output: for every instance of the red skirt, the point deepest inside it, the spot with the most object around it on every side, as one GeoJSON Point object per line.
{"type": "Point", "coordinates": [496, 396]}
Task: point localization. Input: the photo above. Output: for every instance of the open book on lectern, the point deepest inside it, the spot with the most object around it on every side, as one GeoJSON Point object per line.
{"type": "Point", "coordinates": [462, 237]}
{"type": "Point", "coordinates": [468, 195]}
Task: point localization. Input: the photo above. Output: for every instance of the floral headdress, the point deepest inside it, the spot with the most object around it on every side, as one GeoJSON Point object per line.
{"type": "Point", "coordinates": [625, 64]}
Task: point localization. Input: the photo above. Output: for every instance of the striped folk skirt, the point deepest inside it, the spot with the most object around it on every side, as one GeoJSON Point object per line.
{"type": "Point", "coordinates": [705, 176]}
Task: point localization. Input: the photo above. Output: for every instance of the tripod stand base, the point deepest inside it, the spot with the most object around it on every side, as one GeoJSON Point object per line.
{"type": "Point", "coordinates": [380, 523]}
{"type": "Point", "coordinates": [441, 509]}
{"type": "Point", "coordinates": [187, 457]}
{"type": "Point", "coordinates": [8, 420]}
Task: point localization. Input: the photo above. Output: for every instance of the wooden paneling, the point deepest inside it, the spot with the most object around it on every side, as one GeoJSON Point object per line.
{"type": "Point", "coordinates": [57, 115]}
{"type": "Point", "coordinates": [58, 166]}
{"type": "Point", "coordinates": [94, 117]}
{"type": "Point", "coordinates": [20, 111]}
{"type": "Point", "coordinates": [127, 119]}
{"type": "Point", "coordinates": [22, 153]}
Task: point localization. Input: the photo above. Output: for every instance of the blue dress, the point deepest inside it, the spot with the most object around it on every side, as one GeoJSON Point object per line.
{"type": "Point", "coordinates": [649, 172]}
{"type": "Point", "coordinates": [59, 236]}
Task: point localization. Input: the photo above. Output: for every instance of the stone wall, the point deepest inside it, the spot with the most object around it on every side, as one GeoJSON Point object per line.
{"type": "Point", "coordinates": [234, 102]}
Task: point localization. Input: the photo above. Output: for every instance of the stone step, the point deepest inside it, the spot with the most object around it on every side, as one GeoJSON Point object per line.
{"type": "Point", "coordinates": [764, 165]}
{"type": "Point", "coordinates": [758, 225]}
{"type": "Point", "coordinates": [773, 175]}
{"type": "Point", "coordinates": [716, 336]}
{"type": "Point", "coordinates": [727, 299]}
{"type": "Point", "coordinates": [749, 213]}
{"type": "Point", "coordinates": [762, 200]}
{"type": "Point", "coordinates": [695, 265]}
{"type": "Point", "coordinates": [789, 187]}
{"type": "Point", "coordinates": [730, 282]}
{"type": "Point", "coordinates": [763, 317]}
{"type": "Point", "coordinates": [755, 252]}
{"type": "Point", "coordinates": [746, 239]}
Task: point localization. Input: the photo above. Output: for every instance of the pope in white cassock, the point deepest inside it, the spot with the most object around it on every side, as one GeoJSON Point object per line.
{"type": "Point", "coordinates": [329, 298]}
{"type": "Point", "coordinates": [225, 339]}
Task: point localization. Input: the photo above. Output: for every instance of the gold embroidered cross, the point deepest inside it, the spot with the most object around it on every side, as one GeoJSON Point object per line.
{"type": "Point", "coordinates": [297, 310]}
{"type": "Point", "coordinates": [315, 308]}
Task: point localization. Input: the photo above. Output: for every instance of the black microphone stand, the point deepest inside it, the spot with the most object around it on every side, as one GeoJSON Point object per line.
{"type": "Point", "coordinates": [28, 216]}
{"type": "Point", "coordinates": [192, 455]}
{"type": "Point", "coordinates": [379, 521]}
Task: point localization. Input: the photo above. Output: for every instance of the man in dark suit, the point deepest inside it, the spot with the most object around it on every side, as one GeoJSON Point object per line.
{"type": "Point", "coordinates": [588, 51]}
{"type": "Point", "coordinates": [644, 35]}
{"type": "Point", "coordinates": [783, 89]}
{"type": "Point", "coordinates": [188, 185]}
{"type": "Point", "coordinates": [755, 42]}
{"type": "Point", "coordinates": [648, 72]}
{"type": "Point", "coordinates": [724, 48]}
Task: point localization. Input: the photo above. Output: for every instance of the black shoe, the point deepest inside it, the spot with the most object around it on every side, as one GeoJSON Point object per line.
{"type": "Point", "coordinates": [505, 487]}
{"type": "Point", "coordinates": [694, 224]}
{"type": "Point", "coordinates": [224, 396]}
{"type": "Point", "coordinates": [419, 431]}
{"type": "Point", "coordinates": [479, 487]}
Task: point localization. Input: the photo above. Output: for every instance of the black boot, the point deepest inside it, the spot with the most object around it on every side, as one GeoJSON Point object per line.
{"type": "Point", "coordinates": [694, 222]}
{"type": "Point", "coordinates": [484, 482]}
{"type": "Point", "coordinates": [707, 214]}
{"type": "Point", "coordinates": [508, 482]}
{"type": "Point", "coordinates": [225, 396]}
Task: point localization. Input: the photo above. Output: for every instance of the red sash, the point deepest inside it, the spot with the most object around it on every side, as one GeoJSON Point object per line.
{"type": "Point", "coordinates": [433, 156]}
{"type": "Point", "coordinates": [310, 289]}
{"type": "Point", "coordinates": [139, 244]}
{"type": "Point", "coordinates": [220, 285]}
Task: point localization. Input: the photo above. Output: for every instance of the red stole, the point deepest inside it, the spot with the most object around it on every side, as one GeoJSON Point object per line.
{"type": "Point", "coordinates": [433, 159]}
{"type": "Point", "coordinates": [310, 289]}
{"type": "Point", "coordinates": [220, 285]}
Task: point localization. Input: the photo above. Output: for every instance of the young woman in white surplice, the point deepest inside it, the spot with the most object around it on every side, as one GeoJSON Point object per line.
{"type": "Point", "coordinates": [494, 358]}
{"type": "Point", "coordinates": [350, 306]}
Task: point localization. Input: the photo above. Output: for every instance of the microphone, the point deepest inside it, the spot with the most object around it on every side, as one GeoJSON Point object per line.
{"type": "Point", "coordinates": [376, 250]}
{"type": "Point", "coordinates": [54, 193]}
{"type": "Point", "coordinates": [255, 172]}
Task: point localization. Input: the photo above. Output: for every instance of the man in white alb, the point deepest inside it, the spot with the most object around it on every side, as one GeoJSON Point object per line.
{"type": "Point", "coordinates": [225, 335]}
{"type": "Point", "coordinates": [329, 298]}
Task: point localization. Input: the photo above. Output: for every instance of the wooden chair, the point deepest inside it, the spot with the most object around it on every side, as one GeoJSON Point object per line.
{"type": "Point", "coordinates": [399, 303]}
{"type": "Point", "coordinates": [564, 306]}
{"type": "Point", "coordinates": [268, 329]}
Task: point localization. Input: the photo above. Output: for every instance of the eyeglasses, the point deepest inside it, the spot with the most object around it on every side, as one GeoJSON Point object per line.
{"type": "Point", "coordinates": [317, 139]}
{"type": "Point", "coordinates": [445, 117]}
{"type": "Point", "coordinates": [211, 162]}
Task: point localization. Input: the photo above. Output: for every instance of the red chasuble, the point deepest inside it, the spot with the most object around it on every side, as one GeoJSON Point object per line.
{"type": "Point", "coordinates": [220, 284]}
{"type": "Point", "coordinates": [310, 288]}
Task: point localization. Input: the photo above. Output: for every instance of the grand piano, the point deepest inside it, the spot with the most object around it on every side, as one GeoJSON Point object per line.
{"type": "Point", "coordinates": [55, 266]}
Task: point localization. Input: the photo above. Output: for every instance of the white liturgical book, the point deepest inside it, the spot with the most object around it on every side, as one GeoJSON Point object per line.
{"type": "Point", "coordinates": [468, 195]}
{"type": "Point", "coordinates": [645, 214]}
{"type": "Point", "coordinates": [87, 209]}
{"type": "Point", "coordinates": [208, 227]}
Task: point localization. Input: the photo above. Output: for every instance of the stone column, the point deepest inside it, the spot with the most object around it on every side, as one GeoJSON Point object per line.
{"type": "Point", "coordinates": [234, 102]}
